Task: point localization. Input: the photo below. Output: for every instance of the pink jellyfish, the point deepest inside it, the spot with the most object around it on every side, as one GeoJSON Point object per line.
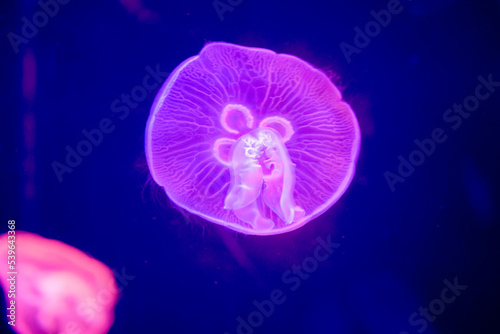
{"type": "Point", "coordinates": [259, 142]}
{"type": "Point", "coordinates": [52, 287]}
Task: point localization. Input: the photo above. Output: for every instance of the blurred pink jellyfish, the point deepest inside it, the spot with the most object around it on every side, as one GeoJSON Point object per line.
{"type": "Point", "coordinates": [58, 288]}
{"type": "Point", "coordinates": [256, 141]}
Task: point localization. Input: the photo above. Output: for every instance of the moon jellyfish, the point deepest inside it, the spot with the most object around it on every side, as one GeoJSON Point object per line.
{"type": "Point", "coordinates": [55, 288]}
{"type": "Point", "coordinates": [256, 141]}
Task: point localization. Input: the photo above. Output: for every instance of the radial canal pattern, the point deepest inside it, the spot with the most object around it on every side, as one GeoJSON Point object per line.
{"type": "Point", "coordinates": [256, 141]}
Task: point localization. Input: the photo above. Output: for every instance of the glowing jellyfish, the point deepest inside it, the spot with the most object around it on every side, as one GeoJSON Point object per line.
{"type": "Point", "coordinates": [57, 288]}
{"type": "Point", "coordinates": [256, 141]}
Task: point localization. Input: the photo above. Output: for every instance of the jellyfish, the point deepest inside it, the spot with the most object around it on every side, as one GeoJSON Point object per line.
{"type": "Point", "coordinates": [259, 142]}
{"type": "Point", "coordinates": [51, 287]}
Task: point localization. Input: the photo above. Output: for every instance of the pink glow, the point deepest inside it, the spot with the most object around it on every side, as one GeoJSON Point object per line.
{"type": "Point", "coordinates": [137, 8]}
{"type": "Point", "coordinates": [29, 76]}
{"type": "Point", "coordinates": [279, 124]}
{"type": "Point", "coordinates": [29, 131]}
{"type": "Point", "coordinates": [29, 71]}
{"type": "Point", "coordinates": [236, 118]}
{"type": "Point", "coordinates": [222, 148]}
{"type": "Point", "coordinates": [316, 139]}
{"type": "Point", "coordinates": [58, 288]}
{"type": "Point", "coordinates": [262, 179]}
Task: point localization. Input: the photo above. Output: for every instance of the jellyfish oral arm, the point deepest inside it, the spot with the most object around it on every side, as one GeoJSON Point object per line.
{"type": "Point", "coordinates": [260, 167]}
{"type": "Point", "coordinates": [246, 186]}
{"type": "Point", "coordinates": [279, 186]}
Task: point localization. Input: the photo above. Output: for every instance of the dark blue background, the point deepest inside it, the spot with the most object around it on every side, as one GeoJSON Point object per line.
{"type": "Point", "coordinates": [396, 248]}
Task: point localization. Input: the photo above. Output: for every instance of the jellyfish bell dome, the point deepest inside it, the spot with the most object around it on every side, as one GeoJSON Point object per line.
{"type": "Point", "coordinates": [256, 141]}
{"type": "Point", "coordinates": [52, 287]}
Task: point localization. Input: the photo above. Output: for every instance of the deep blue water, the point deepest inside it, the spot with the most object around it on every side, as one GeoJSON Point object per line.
{"type": "Point", "coordinates": [403, 236]}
